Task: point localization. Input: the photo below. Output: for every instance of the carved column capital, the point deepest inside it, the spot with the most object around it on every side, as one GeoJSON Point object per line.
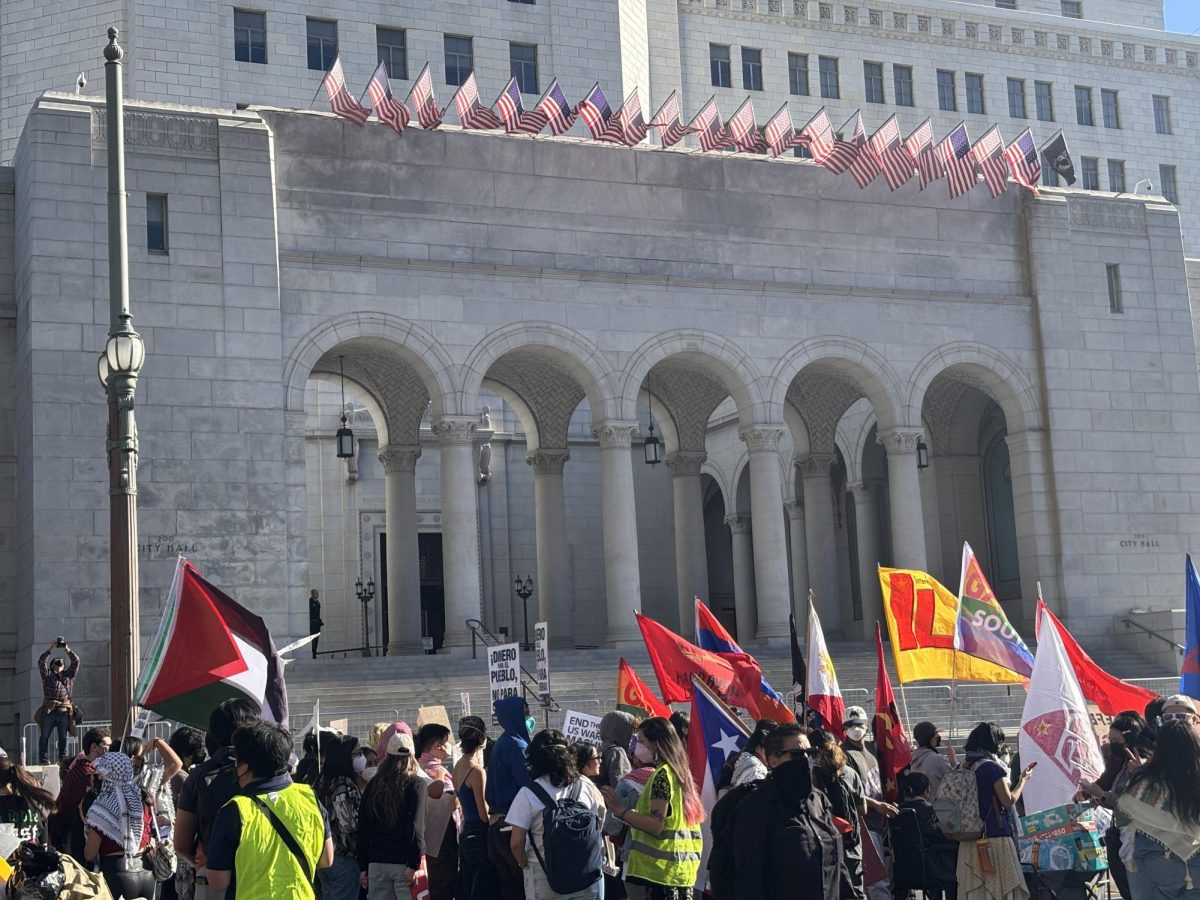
{"type": "Point", "coordinates": [815, 465]}
{"type": "Point", "coordinates": [615, 435]}
{"type": "Point", "coordinates": [1027, 441]}
{"type": "Point", "coordinates": [548, 462]}
{"type": "Point", "coordinates": [399, 457]}
{"type": "Point", "coordinates": [762, 438]}
{"type": "Point", "coordinates": [900, 440]}
{"type": "Point", "coordinates": [794, 509]}
{"type": "Point", "coordinates": [685, 462]}
{"type": "Point", "coordinates": [739, 523]}
{"type": "Point", "coordinates": [863, 491]}
{"type": "Point", "coordinates": [456, 430]}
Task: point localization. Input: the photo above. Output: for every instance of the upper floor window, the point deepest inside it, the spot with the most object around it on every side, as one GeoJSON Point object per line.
{"type": "Point", "coordinates": [1110, 109]}
{"type": "Point", "coordinates": [391, 46]}
{"type": "Point", "coordinates": [718, 62]}
{"type": "Point", "coordinates": [1115, 301]}
{"type": "Point", "coordinates": [460, 57]}
{"type": "Point", "coordinates": [1166, 178]}
{"type": "Point", "coordinates": [1043, 95]}
{"type": "Point", "coordinates": [322, 44]}
{"type": "Point", "coordinates": [828, 69]}
{"type": "Point", "coordinates": [1072, 9]}
{"type": "Point", "coordinates": [1116, 176]}
{"type": "Point", "coordinates": [1083, 105]}
{"type": "Point", "coordinates": [523, 66]}
{"type": "Point", "coordinates": [1162, 114]}
{"type": "Point", "coordinates": [902, 80]}
{"type": "Point", "coordinates": [873, 81]}
{"type": "Point", "coordinates": [156, 223]}
{"type": "Point", "coordinates": [752, 79]}
{"type": "Point", "coordinates": [947, 98]}
{"type": "Point", "coordinates": [798, 73]}
{"type": "Point", "coordinates": [1091, 173]}
{"type": "Point", "coordinates": [249, 36]}
{"type": "Point", "coordinates": [975, 93]}
{"type": "Point", "coordinates": [1016, 98]}
{"type": "Point", "coordinates": [1006, 4]}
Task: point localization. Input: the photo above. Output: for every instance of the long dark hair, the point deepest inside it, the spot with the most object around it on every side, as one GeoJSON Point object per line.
{"type": "Point", "coordinates": [986, 737]}
{"type": "Point", "coordinates": [662, 734]}
{"type": "Point", "coordinates": [26, 787]}
{"type": "Point", "coordinates": [830, 755]}
{"type": "Point", "coordinates": [338, 763]}
{"type": "Point", "coordinates": [386, 791]}
{"type": "Point", "coordinates": [551, 756]}
{"type": "Point", "coordinates": [1175, 766]}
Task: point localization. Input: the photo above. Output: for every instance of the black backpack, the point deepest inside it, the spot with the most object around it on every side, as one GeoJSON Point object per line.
{"type": "Point", "coordinates": [572, 853]}
{"type": "Point", "coordinates": [722, 825]}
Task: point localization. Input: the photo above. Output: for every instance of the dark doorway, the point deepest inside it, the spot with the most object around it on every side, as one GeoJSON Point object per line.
{"type": "Point", "coordinates": [384, 634]}
{"type": "Point", "coordinates": [433, 588]}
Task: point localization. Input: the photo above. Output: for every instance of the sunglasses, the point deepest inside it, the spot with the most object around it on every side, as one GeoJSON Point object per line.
{"type": "Point", "coordinates": [1178, 717]}
{"type": "Point", "coordinates": [794, 752]}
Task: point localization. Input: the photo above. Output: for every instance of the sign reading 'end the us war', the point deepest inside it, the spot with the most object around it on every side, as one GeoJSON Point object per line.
{"type": "Point", "coordinates": [504, 671]}
{"type": "Point", "coordinates": [579, 726]}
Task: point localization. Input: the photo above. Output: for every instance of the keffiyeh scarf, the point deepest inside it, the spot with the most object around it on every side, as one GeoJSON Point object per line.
{"type": "Point", "coordinates": [117, 812]}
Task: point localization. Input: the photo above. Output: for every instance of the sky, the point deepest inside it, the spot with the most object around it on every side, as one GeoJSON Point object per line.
{"type": "Point", "coordinates": [1182, 15]}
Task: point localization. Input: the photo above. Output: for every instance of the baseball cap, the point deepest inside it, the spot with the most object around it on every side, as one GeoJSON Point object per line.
{"type": "Point", "coordinates": [401, 744]}
{"type": "Point", "coordinates": [856, 715]}
{"type": "Point", "coordinates": [1180, 700]}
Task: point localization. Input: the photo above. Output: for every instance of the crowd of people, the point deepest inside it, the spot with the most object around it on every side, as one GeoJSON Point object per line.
{"type": "Point", "coordinates": [530, 815]}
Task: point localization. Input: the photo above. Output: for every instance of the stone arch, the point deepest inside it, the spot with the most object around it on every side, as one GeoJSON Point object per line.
{"type": "Point", "coordinates": [718, 356]}
{"type": "Point", "coordinates": [852, 432]}
{"type": "Point", "coordinates": [982, 367]}
{"type": "Point", "coordinates": [409, 344]}
{"type": "Point", "coordinates": [365, 395]}
{"type": "Point", "coordinates": [739, 487]}
{"type": "Point", "coordinates": [571, 350]}
{"type": "Point", "coordinates": [663, 419]}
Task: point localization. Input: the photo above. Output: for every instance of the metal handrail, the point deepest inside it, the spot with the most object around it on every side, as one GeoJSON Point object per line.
{"type": "Point", "coordinates": [529, 682]}
{"type": "Point", "coordinates": [374, 651]}
{"type": "Point", "coordinates": [1179, 648]}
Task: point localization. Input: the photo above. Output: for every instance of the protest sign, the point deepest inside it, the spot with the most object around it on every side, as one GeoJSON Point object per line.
{"type": "Point", "coordinates": [464, 700]}
{"type": "Point", "coordinates": [541, 645]}
{"type": "Point", "coordinates": [581, 727]}
{"type": "Point", "coordinates": [504, 671]}
{"type": "Point", "coordinates": [430, 714]}
{"type": "Point", "coordinates": [139, 725]}
{"type": "Point", "coordinates": [341, 726]}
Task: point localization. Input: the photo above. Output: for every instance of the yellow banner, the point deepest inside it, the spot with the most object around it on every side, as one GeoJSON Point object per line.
{"type": "Point", "coordinates": [921, 617]}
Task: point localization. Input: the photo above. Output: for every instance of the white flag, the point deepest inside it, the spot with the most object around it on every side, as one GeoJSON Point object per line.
{"type": "Point", "coordinates": [1056, 732]}
{"type": "Point", "coordinates": [824, 695]}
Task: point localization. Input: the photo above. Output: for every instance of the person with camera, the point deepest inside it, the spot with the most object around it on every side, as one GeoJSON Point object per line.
{"type": "Point", "coordinates": [57, 711]}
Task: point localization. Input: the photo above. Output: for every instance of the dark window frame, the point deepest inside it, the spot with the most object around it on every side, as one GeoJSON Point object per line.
{"type": "Point", "coordinates": [1043, 100]}
{"type": "Point", "coordinates": [976, 94]}
{"type": "Point", "coordinates": [873, 82]}
{"type": "Point", "coordinates": [720, 70]}
{"type": "Point", "coordinates": [829, 75]}
{"type": "Point", "coordinates": [457, 74]}
{"type": "Point", "coordinates": [247, 54]}
{"type": "Point", "coordinates": [524, 69]}
{"type": "Point", "coordinates": [1110, 108]}
{"type": "Point", "coordinates": [1162, 114]}
{"type": "Point", "coordinates": [158, 232]}
{"type": "Point", "coordinates": [798, 74]}
{"type": "Point", "coordinates": [325, 48]}
{"type": "Point", "coordinates": [1084, 106]}
{"type": "Point", "coordinates": [752, 69]}
{"type": "Point", "coordinates": [947, 86]}
{"type": "Point", "coordinates": [903, 91]}
{"type": "Point", "coordinates": [1017, 108]}
{"type": "Point", "coordinates": [388, 52]}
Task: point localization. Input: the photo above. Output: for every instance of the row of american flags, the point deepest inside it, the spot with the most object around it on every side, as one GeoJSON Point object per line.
{"type": "Point", "coordinates": [849, 149]}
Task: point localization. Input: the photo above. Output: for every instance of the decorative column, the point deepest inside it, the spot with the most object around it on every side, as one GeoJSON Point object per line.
{"type": "Point", "coordinates": [553, 556]}
{"type": "Point", "coordinates": [691, 556]}
{"type": "Point", "coordinates": [866, 515]}
{"type": "Point", "coordinates": [799, 547]}
{"type": "Point", "coordinates": [815, 470]}
{"type": "Point", "coordinates": [403, 558]}
{"type": "Point", "coordinates": [770, 544]}
{"type": "Point", "coordinates": [904, 487]}
{"type": "Point", "coordinates": [460, 527]}
{"type": "Point", "coordinates": [744, 602]}
{"type": "Point", "coordinates": [622, 578]}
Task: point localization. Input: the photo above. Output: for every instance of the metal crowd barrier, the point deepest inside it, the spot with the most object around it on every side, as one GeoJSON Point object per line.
{"type": "Point", "coordinates": [30, 735]}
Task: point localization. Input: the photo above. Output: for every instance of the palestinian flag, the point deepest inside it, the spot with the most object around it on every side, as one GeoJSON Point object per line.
{"type": "Point", "coordinates": [209, 648]}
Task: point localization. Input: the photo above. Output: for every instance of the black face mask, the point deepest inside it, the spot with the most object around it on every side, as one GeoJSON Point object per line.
{"type": "Point", "coordinates": [794, 777]}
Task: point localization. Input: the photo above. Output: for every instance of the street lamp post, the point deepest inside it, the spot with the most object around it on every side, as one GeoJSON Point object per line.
{"type": "Point", "coordinates": [524, 590]}
{"type": "Point", "coordinates": [118, 369]}
{"type": "Point", "coordinates": [366, 595]}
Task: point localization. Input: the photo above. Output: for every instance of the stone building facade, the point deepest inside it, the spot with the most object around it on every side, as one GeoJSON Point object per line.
{"type": "Point", "coordinates": [511, 315]}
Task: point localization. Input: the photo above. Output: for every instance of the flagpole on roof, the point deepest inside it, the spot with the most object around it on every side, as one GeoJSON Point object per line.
{"type": "Point", "coordinates": [320, 86]}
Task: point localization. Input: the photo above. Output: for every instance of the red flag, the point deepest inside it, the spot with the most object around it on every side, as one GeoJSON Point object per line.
{"type": "Point", "coordinates": [735, 677]}
{"type": "Point", "coordinates": [635, 697]}
{"type": "Point", "coordinates": [711, 635]}
{"type": "Point", "coordinates": [1110, 694]}
{"type": "Point", "coordinates": [891, 742]}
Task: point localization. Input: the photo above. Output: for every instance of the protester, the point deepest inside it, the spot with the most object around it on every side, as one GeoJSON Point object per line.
{"type": "Point", "coordinates": [628, 789]}
{"type": "Point", "coordinates": [1153, 714]}
{"type": "Point", "coordinates": [337, 791]}
{"type": "Point", "coordinates": [57, 712]}
{"type": "Point", "coordinates": [476, 877]}
{"type": "Point", "coordinates": [664, 854]}
{"type": "Point", "coordinates": [1162, 807]}
{"type": "Point", "coordinates": [442, 817]}
{"type": "Point", "coordinates": [209, 786]}
{"type": "Point", "coordinates": [384, 739]}
{"type": "Point", "coordinates": [682, 723]}
{"type": "Point", "coordinates": [990, 868]}
{"type": "Point", "coordinates": [927, 759]}
{"type": "Point", "coordinates": [847, 800]}
{"type": "Point", "coordinates": [1180, 708]}
{"type": "Point", "coordinates": [616, 731]}
{"type": "Point", "coordinates": [24, 803]}
{"type": "Point", "coordinates": [66, 824]}
{"type": "Point", "coordinates": [861, 758]}
{"type": "Point", "coordinates": [188, 745]}
{"type": "Point", "coordinates": [365, 765]}
{"type": "Point", "coordinates": [271, 839]}
{"type": "Point", "coordinates": [941, 853]}
{"type": "Point", "coordinates": [555, 777]}
{"type": "Point", "coordinates": [506, 775]}
{"type": "Point", "coordinates": [751, 763]}
{"type": "Point", "coordinates": [587, 760]}
{"type": "Point", "coordinates": [120, 827]}
{"type": "Point", "coordinates": [390, 823]}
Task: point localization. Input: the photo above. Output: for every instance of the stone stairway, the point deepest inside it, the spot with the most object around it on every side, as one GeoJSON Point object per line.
{"type": "Point", "coordinates": [365, 691]}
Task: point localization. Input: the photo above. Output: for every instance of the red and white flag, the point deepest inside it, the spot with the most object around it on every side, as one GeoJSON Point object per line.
{"type": "Point", "coordinates": [554, 106]}
{"type": "Point", "coordinates": [818, 135]}
{"type": "Point", "coordinates": [1056, 731]}
{"type": "Point", "coordinates": [920, 147]}
{"type": "Point", "coordinates": [707, 126]}
{"type": "Point", "coordinates": [893, 157]}
{"type": "Point", "coordinates": [340, 101]}
{"type": "Point", "coordinates": [955, 153]}
{"type": "Point", "coordinates": [824, 695]}
{"type": "Point", "coordinates": [388, 110]}
{"type": "Point", "coordinates": [779, 133]}
{"type": "Point", "coordinates": [864, 167]}
{"type": "Point", "coordinates": [628, 126]}
{"type": "Point", "coordinates": [743, 129]}
{"type": "Point", "coordinates": [667, 121]}
{"type": "Point", "coordinates": [421, 101]}
{"type": "Point", "coordinates": [471, 113]}
{"type": "Point", "coordinates": [1024, 161]}
{"type": "Point", "coordinates": [988, 152]}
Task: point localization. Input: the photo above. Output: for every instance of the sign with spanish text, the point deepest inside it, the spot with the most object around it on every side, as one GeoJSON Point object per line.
{"type": "Point", "coordinates": [541, 648]}
{"type": "Point", "coordinates": [581, 727]}
{"type": "Point", "coordinates": [504, 671]}
{"type": "Point", "coordinates": [464, 700]}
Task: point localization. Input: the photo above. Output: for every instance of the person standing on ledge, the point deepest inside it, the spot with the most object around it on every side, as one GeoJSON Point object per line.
{"type": "Point", "coordinates": [314, 618]}
{"type": "Point", "coordinates": [57, 711]}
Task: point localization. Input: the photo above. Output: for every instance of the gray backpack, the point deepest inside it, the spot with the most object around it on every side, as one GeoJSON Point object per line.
{"type": "Point", "coordinates": [957, 805]}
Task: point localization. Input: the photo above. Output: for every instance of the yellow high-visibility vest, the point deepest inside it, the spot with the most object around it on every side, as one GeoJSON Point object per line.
{"type": "Point", "coordinates": [673, 858]}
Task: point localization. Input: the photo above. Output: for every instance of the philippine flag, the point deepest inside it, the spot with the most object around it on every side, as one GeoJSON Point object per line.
{"type": "Point", "coordinates": [824, 694]}
{"type": "Point", "coordinates": [712, 636]}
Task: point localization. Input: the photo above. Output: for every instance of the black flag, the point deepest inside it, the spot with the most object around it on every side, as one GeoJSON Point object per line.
{"type": "Point", "coordinates": [1058, 158]}
{"type": "Point", "coordinates": [799, 667]}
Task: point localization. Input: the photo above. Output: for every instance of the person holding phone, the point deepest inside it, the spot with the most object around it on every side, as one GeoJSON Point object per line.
{"type": "Point", "coordinates": [57, 710]}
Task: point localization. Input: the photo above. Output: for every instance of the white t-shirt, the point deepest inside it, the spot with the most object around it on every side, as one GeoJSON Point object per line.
{"type": "Point", "coordinates": [526, 809]}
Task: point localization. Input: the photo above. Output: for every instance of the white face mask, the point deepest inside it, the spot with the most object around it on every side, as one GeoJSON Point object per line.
{"type": "Point", "coordinates": [643, 754]}
{"type": "Point", "coordinates": [360, 764]}
{"type": "Point", "coordinates": [856, 732]}
{"type": "Point", "coordinates": [369, 772]}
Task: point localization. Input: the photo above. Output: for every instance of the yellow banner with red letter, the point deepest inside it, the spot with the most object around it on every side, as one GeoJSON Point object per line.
{"type": "Point", "coordinates": [922, 618]}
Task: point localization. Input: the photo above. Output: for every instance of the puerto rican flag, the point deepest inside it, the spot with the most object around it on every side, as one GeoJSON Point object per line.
{"type": "Point", "coordinates": [824, 694]}
{"type": "Point", "coordinates": [716, 733]}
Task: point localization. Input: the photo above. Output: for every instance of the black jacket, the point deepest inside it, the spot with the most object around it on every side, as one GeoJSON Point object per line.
{"type": "Point", "coordinates": [785, 843]}
{"type": "Point", "coordinates": [380, 843]}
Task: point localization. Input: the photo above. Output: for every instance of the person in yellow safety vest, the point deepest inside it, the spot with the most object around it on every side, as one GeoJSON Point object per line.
{"type": "Point", "coordinates": [664, 843]}
{"type": "Point", "coordinates": [268, 841]}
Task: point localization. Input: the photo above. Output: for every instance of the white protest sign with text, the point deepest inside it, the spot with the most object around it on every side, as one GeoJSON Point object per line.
{"type": "Point", "coordinates": [504, 671]}
{"type": "Point", "coordinates": [541, 647]}
{"type": "Point", "coordinates": [581, 727]}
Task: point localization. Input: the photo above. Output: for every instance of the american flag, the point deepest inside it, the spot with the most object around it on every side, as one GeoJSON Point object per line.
{"type": "Point", "coordinates": [865, 166]}
{"type": "Point", "coordinates": [743, 129]}
{"type": "Point", "coordinates": [390, 111]}
{"type": "Point", "coordinates": [955, 151]}
{"type": "Point", "coordinates": [628, 126]}
{"type": "Point", "coordinates": [671, 130]}
{"type": "Point", "coordinates": [595, 111]}
{"type": "Point", "coordinates": [509, 106]}
{"type": "Point", "coordinates": [818, 134]}
{"type": "Point", "coordinates": [779, 133]}
{"type": "Point", "coordinates": [989, 153]}
{"type": "Point", "coordinates": [1023, 160]}
{"type": "Point", "coordinates": [893, 156]}
{"type": "Point", "coordinates": [707, 126]}
{"type": "Point", "coordinates": [421, 101]}
{"type": "Point", "coordinates": [340, 101]}
{"type": "Point", "coordinates": [920, 148]}
{"type": "Point", "coordinates": [556, 109]}
{"type": "Point", "coordinates": [471, 114]}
